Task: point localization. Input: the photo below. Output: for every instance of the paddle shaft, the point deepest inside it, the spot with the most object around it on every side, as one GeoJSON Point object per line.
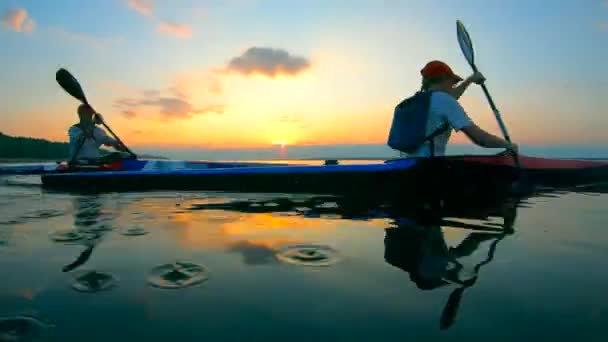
{"type": "Point", "coordinates": [503, 128]}
{"type": "Point", "coordinates": [117, 138]}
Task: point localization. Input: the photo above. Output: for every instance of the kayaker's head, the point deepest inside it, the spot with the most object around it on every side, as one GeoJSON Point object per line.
{"type": "Point", "coordinates": [85, 113]}
{"type": "Point", "coordinates": [436, 75]}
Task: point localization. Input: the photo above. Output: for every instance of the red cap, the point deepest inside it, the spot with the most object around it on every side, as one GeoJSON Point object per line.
{"type": "Point", "coordinates": [437, 69]}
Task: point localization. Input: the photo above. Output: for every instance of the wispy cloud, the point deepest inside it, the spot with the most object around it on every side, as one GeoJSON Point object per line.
{"type": "Point", "coordinates": [164, 27]}
{"type": "Point", "coordinates": [268, 61]}
{"type": "Point", "coordinates": [168, 106]}
{"type": "Point", "coordinates": [18, 20]}
{"type": "Point", "coordinates": [143, 7]}
{"type": "Point", "coordinates": [175, 30]}
{"type": "Point", "coordinates": [83, 38]}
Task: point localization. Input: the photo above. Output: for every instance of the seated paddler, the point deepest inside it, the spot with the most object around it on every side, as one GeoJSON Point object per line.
{"type": "Point", "coordinates": [422, 124]}
{"type": "Point", "coordinates": [86, 138]}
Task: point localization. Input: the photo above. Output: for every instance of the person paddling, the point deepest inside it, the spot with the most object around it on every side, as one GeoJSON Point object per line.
{"type": "Point", "coordinates": [86, 137]}
{"type": "Point", "coordinates": [422, 124]}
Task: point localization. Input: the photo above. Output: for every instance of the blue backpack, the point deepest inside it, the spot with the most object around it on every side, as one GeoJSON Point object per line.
{"type": "Point", "coordinates": [408, 129]}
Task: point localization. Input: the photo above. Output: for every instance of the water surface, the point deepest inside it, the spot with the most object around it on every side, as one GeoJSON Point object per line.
{"type": "Point", "coordinates": [299, 267]}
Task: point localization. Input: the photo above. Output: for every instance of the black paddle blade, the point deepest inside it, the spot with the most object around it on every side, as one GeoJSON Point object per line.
{"type": "Point", "coordinates": [70, 84]}
{"type": "Point", "coordinates": [465, 42]}
{"type": "Point", "coordinates": [448, 316]}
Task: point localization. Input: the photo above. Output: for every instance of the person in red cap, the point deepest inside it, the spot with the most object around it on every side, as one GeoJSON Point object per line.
{"type": "Point", "coordinates": [442, 88]}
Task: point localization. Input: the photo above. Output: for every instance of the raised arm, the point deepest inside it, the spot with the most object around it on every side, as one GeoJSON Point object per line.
{"type": "Point", "coordinates": [458, 90]}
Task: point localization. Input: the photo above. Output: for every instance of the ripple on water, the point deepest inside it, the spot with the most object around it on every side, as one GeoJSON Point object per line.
{"type": "Point", "coordinates": [66, 235]}
{"type": "Point", "coordinates": [308, 255]}
{"type": "Point", "coordinates": [177, 275]}
{"type": "Point", "coordinates": [22, 328]}
{"type": "Point", "coordinates": [134, 231]}
{"type": "Point", "coordinates": [42, 214]}
{"type": "Point", "coordinates": [93, 281]}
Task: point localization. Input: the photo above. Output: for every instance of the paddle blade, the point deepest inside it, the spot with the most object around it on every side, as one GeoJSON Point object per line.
{"type": "Point", "coordinates": [70, 84]}
{"type": "Point", "coordinates": [448, 316]}
{"type": "Point", "coordinates": [465, 42]}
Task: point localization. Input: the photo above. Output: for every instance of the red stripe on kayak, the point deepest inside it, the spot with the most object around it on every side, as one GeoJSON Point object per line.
{"type": "Point", "coordinates": [536, 163]}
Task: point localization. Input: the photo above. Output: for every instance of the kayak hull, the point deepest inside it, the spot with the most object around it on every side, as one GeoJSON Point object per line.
{"type": "Point", "coordinates": [126, 165]}
{"type": "Point", "coordinates": [446, 176]}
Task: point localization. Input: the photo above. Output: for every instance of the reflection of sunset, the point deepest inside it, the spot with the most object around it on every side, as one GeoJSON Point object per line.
{"type": "Point", "coordinates": [218, 229]}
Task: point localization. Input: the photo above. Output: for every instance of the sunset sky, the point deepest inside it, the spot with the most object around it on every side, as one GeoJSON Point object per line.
{"type": "Point", "coordinates": [246, 73]}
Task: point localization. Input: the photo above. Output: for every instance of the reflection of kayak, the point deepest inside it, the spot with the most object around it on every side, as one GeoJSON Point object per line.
{"type": "Point", "coordinates": [397, 177]}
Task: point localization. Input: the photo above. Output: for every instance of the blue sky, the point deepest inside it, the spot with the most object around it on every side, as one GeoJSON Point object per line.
{"type": "Point", "coordinates": [544, 62]}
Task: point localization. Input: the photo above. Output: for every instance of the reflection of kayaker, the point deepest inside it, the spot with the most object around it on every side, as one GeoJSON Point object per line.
{"type": "Point", "coordinates": [421, 250]}
{"type": "Point", "coordinates": [87, 215]}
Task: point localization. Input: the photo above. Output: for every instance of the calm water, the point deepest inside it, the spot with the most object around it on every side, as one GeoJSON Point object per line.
{"type": "Point", "coordinates": [280, 267]}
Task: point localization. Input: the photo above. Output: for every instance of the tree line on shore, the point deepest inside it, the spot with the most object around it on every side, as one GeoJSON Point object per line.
{"type": "Point", "coordinates": [25, 147]}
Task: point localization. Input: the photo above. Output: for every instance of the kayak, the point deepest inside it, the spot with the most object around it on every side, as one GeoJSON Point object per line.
{"type": "Point", "coordinates": [125, 165]}
{"type": "Point", "coordinates": [399, 177]}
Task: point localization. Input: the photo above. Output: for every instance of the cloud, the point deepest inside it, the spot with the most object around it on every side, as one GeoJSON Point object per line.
{"type": "Point", "coordinates": [603, 26]}
{"type": "Point", "coordinates": [129, 114]}
{"type": "Point", "coordinates": [268, 61]}
{"type": "Point", "coordinates": [168, 28]}
{"type": "Point", "coordinates": [143, 7]}
{"type": "Point", "coordinates": [176, 30]}
{"type": "Point", "coordinates": [168, 106]}
{"type": "Point", "coordinates": [83, 38]}
{"type": "Point", "coordinates": [18, 20]}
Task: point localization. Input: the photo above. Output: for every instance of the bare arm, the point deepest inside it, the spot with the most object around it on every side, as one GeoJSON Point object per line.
{"type": "Point", "coordinates": [485, 139]}
{"type": "Point", "coordinates": [458, 90]}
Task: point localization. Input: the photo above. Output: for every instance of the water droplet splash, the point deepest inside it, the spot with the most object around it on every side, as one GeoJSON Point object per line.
{"type": "Point", "coordinates": [93, 281]}
{"type": "Point", "coordinates": [308, 255]}
{"type": "Point", "coordinates": [22, 328]}
{"type": "Point", "coordinates": [177, 275]}
{"type": "Point", "coordinates": [134, 231]}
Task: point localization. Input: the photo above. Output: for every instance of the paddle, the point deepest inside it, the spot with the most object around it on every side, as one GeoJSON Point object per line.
{"type": "Point", "coordinates": [466, 45]}
{"type": "Point", "coordinates": [71, 85]}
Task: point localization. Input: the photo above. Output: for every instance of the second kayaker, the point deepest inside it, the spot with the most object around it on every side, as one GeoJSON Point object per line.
{"type": "Point", "coordinates": [423, 123]}
{"type": "Point", "coordinates": [86, 138]}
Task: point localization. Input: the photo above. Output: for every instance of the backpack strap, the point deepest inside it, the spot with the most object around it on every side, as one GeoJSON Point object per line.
{"type": "Point", "coordinates": [431, 138]}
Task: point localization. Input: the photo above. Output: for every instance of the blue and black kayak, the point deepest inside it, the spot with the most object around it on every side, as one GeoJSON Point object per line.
{"type": "Point", "coordinates": [124, 165]}
{"type": "Point", "coordinates": [409, 176]}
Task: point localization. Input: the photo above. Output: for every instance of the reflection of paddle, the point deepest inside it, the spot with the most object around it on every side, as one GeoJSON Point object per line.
{"type": "Point", "coordinates": [84, 256]}
{"type": "Point", "coordinates": [509, 213]}
{"type": "Point", "coordinates": [448, 316]}
{"type": "Point", "coordinates": [70, 84]}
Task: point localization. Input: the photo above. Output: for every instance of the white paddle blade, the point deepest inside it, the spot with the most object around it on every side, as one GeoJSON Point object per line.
{"type": "Point", "coordinates": [466, 45]}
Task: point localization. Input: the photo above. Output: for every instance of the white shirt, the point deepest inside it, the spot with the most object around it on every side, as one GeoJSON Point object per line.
{"type": "Point", "coordinates": [443, 109]}
{"type": "Point", "coordinates": [90, 147]}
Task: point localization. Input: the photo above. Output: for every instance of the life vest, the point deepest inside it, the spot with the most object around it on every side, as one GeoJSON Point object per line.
{"type": "Point", "coordinates": [410, 118]}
